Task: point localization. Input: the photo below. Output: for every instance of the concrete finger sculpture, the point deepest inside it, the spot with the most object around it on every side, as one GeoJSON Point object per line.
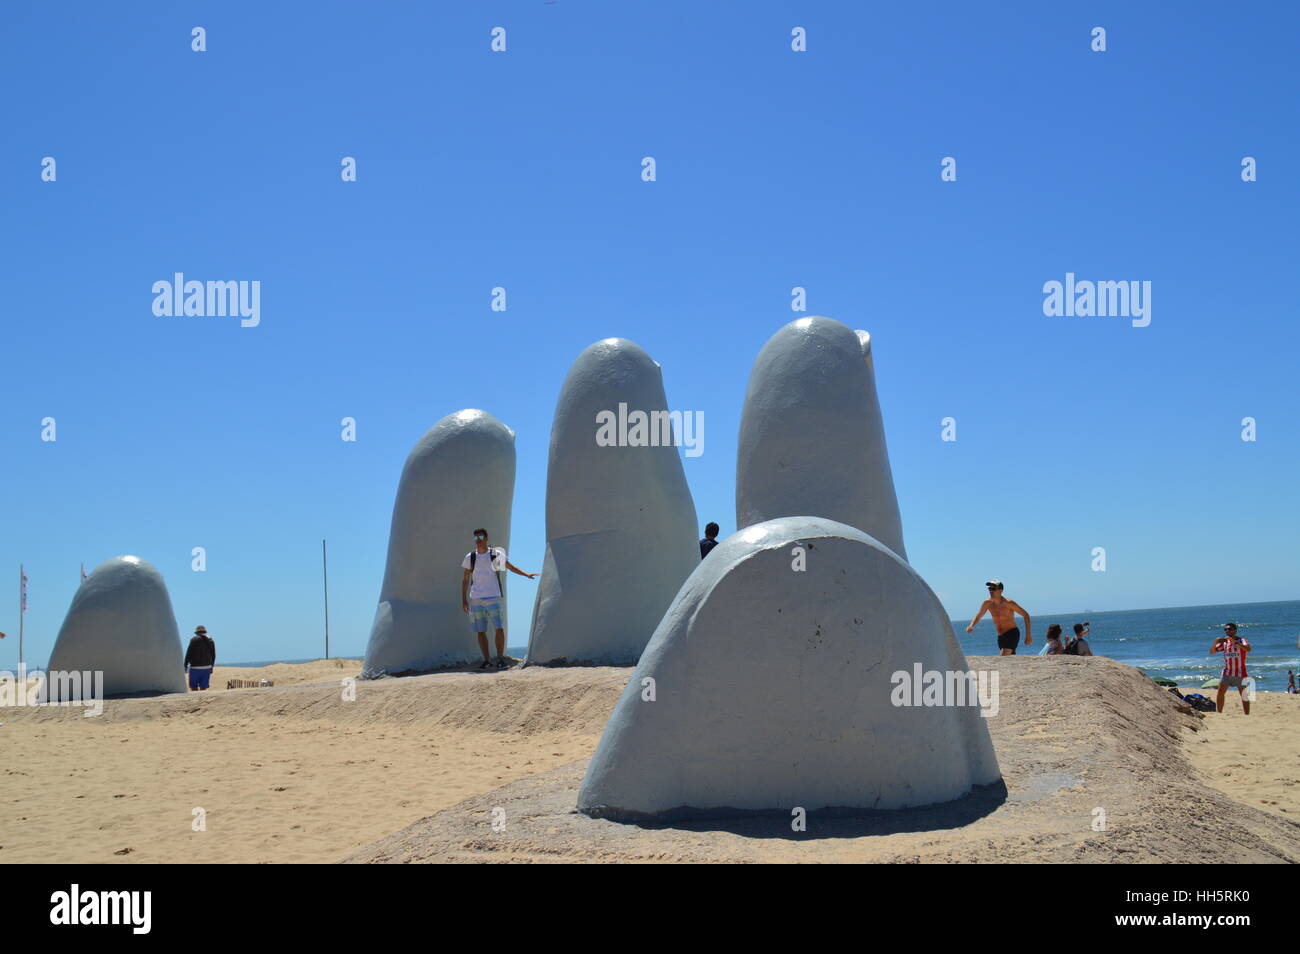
{"type": "Point", "coordinates": [461, 475]}
{"type": "Point", "coordinates": [120, 623]}
{"type": "Point", "coordinates": [620, 521]}
{"type": "Point", "coordinates": [811, 436]}
{"type": "Point", "coordinates": [768, 686]}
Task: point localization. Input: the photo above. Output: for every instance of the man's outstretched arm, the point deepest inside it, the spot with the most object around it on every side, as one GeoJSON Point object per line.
{"type": "Point", "coordinates": [978, 616]}
{"type": "Point", "coordinates": [511, 566]}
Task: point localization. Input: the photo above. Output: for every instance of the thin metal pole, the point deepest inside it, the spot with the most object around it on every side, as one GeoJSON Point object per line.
{"type": "Point", "coordinates": [22, 610]}
{"type": "Point", "coordinates": [325, 573]}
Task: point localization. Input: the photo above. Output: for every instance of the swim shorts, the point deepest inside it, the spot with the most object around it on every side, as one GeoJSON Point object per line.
{"type": "Point", "coordinates": [1233, 682]}
{"type": "Point", "coordinates": [485, 612]}
{"type": "Point", "coordinates": [200, 677]}
{"type": "Point", "coordinates": [1010, 639]}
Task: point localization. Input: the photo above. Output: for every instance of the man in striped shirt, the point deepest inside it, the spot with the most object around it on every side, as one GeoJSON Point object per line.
{"type": "Point", "coordinates": [1234, 664]}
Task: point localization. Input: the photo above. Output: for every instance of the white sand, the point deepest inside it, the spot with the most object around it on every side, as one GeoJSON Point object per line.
{"type": "Point", "coordinates": [411, 769]}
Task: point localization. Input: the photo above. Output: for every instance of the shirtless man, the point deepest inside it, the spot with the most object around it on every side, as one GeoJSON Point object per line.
{"type": "Point", "coordinates": [1003, 612]}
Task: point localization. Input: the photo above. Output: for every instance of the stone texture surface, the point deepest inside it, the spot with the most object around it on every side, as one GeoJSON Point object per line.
{"type": "Point", "coordinates": [812, 442]}
{"type": "Point", "coordinates": [773, 688]}
{"type": "Point", "coordinates": [620, 521]}
{"type": "Point", "coordinates": [121, 623]}
{"type": "Point", "coordinates": [460, 475]}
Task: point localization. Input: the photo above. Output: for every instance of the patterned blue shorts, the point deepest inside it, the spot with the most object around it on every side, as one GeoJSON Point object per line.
{"type": "Point", "coordinates": [485, 612]}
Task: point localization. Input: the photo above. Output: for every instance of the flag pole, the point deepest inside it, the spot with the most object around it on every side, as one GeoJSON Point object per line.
{"type": "Point", "coordinates": [325, 576]}
{"type": "Point", "coordinates": [22, 610]}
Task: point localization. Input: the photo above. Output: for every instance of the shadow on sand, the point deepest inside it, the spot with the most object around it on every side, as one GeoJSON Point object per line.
{"type": "Point", "coordinates": [824, 823]}
{"type": "Point", "coordinates": [474, 667]}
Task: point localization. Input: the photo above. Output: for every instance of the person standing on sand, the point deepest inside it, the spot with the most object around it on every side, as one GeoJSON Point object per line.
{"type": "Point", "coordinates": [200, 658]}
{"type": "Point", "coordinates": [1003, 612]}
{"type": "Point", "coordinates": [481, 593]}
{"type": "Point", "coordinates": [1234, 664]}
{"type": "Point", "coordinates": [710, 539]}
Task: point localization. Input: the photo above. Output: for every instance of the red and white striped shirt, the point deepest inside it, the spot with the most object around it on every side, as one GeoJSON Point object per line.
{"type": "Point", "coordinates": [1234, 660]}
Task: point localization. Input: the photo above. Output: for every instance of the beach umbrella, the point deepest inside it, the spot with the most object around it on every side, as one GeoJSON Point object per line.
{"type": "Point", "coordinates": [1210, 684]}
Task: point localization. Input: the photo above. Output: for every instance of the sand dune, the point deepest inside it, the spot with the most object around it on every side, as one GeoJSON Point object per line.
{"type": "Point", "coordinates": [1080, 742]}
{"type": "Point", "coordinates": [296, 773]}
{"type": "Point", "coordinates": [287, 674]}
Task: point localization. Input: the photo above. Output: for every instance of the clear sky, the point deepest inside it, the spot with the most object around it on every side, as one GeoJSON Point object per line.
{"type": "Point", "coordinates": [522, 169]}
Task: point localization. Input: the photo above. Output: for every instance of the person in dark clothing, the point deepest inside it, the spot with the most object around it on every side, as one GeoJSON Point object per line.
{"type": "Point", "coordinates": [200, 658]}
{"type": "Point", "coordinates": [710, 540]}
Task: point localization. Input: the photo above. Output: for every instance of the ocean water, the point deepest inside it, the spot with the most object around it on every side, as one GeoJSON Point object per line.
{"type": "Point", "coordinates": [1174, 643]}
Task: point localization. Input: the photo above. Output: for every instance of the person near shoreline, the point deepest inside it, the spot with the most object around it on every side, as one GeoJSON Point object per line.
{"type": "Point", "coordinates": [1054, 645]}
{"type": "Point", "coordinates": [1078, 646]}
{"type": "Point", "coordinates": [1234, 676]}
{"type": "Point", "coordinates": [1003, 611]}
{"type": "Point", "coordinates": [200, 659]}
{"type": "Point", "coordinates": [481, 593]}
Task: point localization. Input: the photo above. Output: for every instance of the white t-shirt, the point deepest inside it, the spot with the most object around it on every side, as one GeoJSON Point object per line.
{"type": "Point", "coordinates": [484, 584]}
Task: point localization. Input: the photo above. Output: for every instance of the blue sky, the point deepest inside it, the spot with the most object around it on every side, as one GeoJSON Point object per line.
{"type": "Point", "coordinates": [522, 169]}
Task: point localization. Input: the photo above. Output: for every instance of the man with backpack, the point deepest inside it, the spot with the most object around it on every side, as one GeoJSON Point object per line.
{"type": "Point", "coordinates": [1234, 665]}
{"type": "Point", "coordinates": [481, 592]}
{"type": "Point", "coordinates": [1078, 645]}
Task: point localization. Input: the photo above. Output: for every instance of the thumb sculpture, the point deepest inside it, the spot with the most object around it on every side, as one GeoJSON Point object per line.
{"type": "Point", "coordinates": [811, 436]}
{"type": "Point", "coordinates": [120, 623]}
{"type": "Point", "coordinates": [620, 521]}
{"type": "Point", "coordinates": [770, 685]}
{"type": "Point", "coordinates": [461, 475]}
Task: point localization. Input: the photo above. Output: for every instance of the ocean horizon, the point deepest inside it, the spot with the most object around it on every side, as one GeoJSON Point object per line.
{"type": "Point", "coordinates": [1171, 642]}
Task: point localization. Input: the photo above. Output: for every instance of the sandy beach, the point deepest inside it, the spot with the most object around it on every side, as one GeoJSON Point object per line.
{"type": "Point", "coordinates": [1254, 759]}
{"type": "Point", "coordinates": [411, 770]}
{"type": "Point", "coordinates": [288, 774]}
